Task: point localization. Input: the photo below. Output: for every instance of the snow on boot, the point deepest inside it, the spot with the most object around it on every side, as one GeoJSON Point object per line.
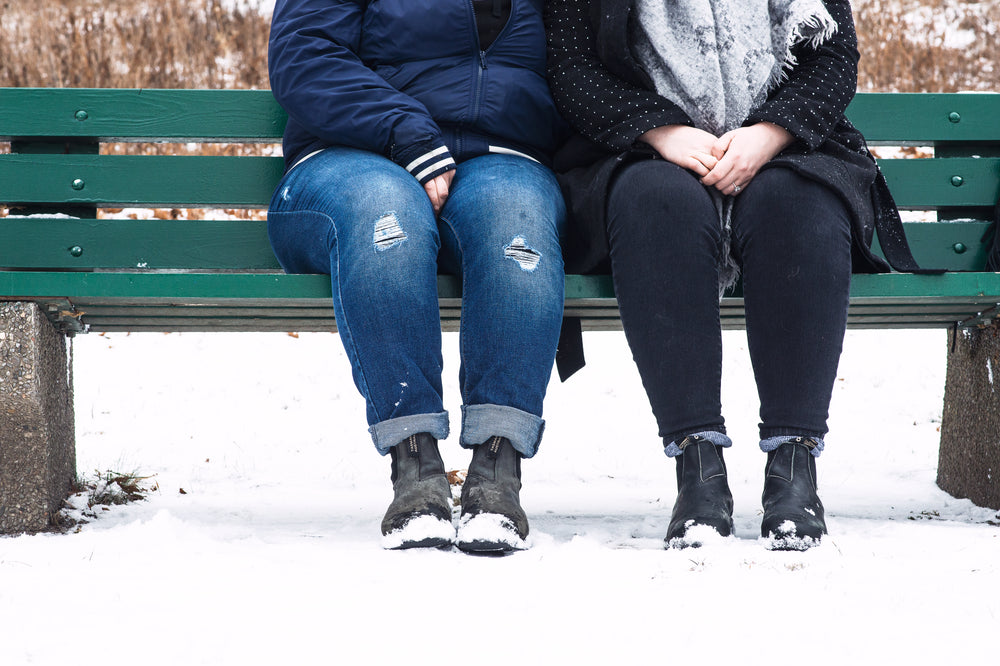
{"type": "Point", "coordinates": [793, 513]}
{"type": "Point", "coordinates": [420, 513]}
{"type": "Point", "coordinates": [492, 519]}
{"type": "Point", "coordinates": [704, 505]}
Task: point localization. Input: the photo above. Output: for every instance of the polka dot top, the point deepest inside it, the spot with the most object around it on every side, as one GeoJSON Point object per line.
{"type": "Point", "coordinates": [604, 94]}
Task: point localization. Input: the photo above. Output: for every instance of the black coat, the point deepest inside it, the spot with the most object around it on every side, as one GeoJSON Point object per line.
{"type": "Point", "coordinates": [609, 100]}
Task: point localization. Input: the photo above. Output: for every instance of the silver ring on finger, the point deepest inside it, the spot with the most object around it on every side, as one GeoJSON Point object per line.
{"type": "Point", "coordinates": [736, 188]}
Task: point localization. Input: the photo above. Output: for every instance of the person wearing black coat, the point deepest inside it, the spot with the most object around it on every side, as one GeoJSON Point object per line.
{"type": "Point", "coordinates": [712, 143]}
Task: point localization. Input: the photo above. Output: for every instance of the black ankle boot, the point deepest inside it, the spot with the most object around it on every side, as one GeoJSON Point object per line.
{"type": "Point", "coordinates": [420, 513]}
{"type": "Point", "coordinates": [492, 518]}
{"type": "Point", "coordinates": [703, 495]}
{"type": "Point", "coordinates": [793, 514]}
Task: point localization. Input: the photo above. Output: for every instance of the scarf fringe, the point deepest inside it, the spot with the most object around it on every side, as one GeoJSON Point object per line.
{"type": "Point", "coordinates": [813, 30]}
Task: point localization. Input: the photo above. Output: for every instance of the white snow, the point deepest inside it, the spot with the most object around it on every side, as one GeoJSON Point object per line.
{"type": "Point", "coordinates": [491, 528]}
{"type": "Point", "coordinates": [273, 555]}
{"type": "Point", "coordinates": [423, 528]}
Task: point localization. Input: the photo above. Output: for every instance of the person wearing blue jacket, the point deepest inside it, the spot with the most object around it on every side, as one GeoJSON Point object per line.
{"type": "Point", "coordinates": [418, 139]}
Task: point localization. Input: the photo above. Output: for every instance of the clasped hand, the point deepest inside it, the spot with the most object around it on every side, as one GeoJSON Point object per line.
{"type": "Point", "coordinates": [728, 162]}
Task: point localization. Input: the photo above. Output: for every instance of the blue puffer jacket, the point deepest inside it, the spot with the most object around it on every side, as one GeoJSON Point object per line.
{"type": "Point", "coordinates": [407, 79]}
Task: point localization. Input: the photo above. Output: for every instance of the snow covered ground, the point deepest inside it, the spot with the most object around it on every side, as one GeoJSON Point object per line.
{"type": "Point", "coordinates": [271, 552]}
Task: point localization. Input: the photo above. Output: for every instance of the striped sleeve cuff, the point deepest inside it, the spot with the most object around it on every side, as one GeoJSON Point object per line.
{"type": "Point", "coordinates": [426, 164]}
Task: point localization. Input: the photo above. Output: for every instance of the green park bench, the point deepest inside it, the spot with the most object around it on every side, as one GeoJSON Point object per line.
{"type": "Point", "coordinates": [65, 271]}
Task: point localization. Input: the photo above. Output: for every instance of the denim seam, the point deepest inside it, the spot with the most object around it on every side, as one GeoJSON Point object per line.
{"type": "Point", "coordinates": [346, 325]}
{"type": "Point", "coordinates": [461, 319]}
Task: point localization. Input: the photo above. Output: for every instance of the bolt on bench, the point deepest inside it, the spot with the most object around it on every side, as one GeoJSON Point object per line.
{"type": "Point", "coordinates": [64, 270]}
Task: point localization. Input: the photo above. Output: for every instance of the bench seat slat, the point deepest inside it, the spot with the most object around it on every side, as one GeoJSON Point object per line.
{"type": "Point", "coordinates": [177, 301]}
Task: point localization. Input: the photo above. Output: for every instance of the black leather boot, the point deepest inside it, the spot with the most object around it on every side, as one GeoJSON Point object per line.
{"type": "Point", "coordinates": [420, 513]}
{"type": "Point", "coordinates": [793, 514]}
{"type": "Point", "coordinates": [703, 495]}
{"type": "Point", "coordinates": [492, 518]}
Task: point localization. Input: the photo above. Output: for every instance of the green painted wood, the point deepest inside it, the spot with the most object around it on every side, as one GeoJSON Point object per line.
{"type": "Point", "coordinates": [58, 243]}
{"type": "Point", "coordinates": [251, 115]}
{"type": "Point", "coordinates": [926, 118]}
{"type": "Point", "coordinates": [182, 181]}
{"type": "Point", "coordinates": [180, 288]}
{"type": "Point", "coordinates": [954, 246]}
{"type": "Point", "coordinates": [141, 299]}
{"type": "Point", "coordinates": [928, 184]}
{"type": "Point", "coordinates": [139, 180]}
{"type": "Point", "coordinates": [147, 244]}
{"type": "Point", "coordinates": [244, 116]}
{"type": "Point", "coordinates": [263, 288]}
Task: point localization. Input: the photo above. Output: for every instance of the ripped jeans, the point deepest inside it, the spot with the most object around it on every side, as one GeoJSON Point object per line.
{"type": "Point", "coordinates": [369, 224]}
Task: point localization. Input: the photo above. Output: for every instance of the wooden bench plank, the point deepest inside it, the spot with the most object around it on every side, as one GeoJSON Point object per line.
{"type": "Point", "coordinates": [244, 116]}
{"type": "Point", "coordinates": [926, 118]}
{"type": "Point", "coordinates": [53, 243]}
{"type": "Point", "coordinates": [247, 182]}
{"type": "Point", "coordinates": [147, 244]}
{"type": "Point", "coordinates": [254, 115]}
{"type": "Point", "coordinates": [933, 184]}
{"type": "Point", "coordinates": [139, 180]}
{"type": "Point", "coordinates": [882, 300]}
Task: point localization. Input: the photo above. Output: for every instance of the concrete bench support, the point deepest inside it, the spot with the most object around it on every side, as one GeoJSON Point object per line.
{"type": "Point", "coordinates": [969, 462]}
{"type": "Point", "coordinates": [37, 446]}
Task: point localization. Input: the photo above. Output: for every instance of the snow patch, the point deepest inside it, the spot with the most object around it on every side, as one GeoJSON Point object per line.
{"type": "Point", "coordinates": [696, 536]}
{"type": "Point", "coordinates": [428, 530]}
{"type": "Point", "coordinates": [489, 528]}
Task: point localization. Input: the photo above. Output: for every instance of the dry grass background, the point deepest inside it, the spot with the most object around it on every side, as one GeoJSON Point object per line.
{"type": "Point", "coordinates": [132, 44]}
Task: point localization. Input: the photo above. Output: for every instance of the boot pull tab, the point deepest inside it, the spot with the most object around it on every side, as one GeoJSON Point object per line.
{"type": "Point", "coordinates": [690, 439]}
{"type": "Point", "coordinates": [494, 447]}
{"type": "Point", "coordinates": [807, 442]}
{"type": "Point", "coordinates": [412, 447]}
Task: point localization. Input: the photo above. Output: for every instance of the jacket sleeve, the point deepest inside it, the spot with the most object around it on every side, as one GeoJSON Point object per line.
{"type": "Point", "coordinates": [812, 100]}
{"type": "Point", "coordinates": [318, 78]}
{"type": "Point", "coordinates": [600, 105]}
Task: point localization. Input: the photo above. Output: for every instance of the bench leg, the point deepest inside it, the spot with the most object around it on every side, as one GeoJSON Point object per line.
{"type": "Point", "coordinates": [37, 439]}
{"type": "Point", "coordinates": [969, 460]}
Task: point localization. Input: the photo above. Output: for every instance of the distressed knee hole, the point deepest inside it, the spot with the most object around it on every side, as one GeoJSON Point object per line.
{"type": "Point", "coordinates": [388, 232]}
{"type": "Point", "coordinates": [519, 251]}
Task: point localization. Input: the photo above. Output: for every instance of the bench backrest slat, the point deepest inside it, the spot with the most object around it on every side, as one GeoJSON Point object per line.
{"type": "Point", "coordinates": [59, 243]}
{"type": "Point", "coordinates": [243, 116]}
{"type": "Point", "coordinates": [253, 115]}
{"type": "Point", "coordinates": [247, 182]}
{"type": "Point", "coordinates": [140, 180]}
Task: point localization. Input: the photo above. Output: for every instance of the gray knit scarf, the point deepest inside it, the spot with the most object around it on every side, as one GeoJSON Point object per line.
{"type": "Point", "coordinates": [719, 59]}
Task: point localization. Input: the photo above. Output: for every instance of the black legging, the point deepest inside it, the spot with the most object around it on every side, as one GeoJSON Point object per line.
{"type": "Point", "coordinates": [792, 239]}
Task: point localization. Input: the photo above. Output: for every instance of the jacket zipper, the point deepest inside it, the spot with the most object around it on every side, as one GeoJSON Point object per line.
{"type": "Point", "coordinates": [480, 76]}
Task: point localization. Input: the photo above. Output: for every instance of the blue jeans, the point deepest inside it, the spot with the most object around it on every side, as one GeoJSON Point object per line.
{"type": "Point", "coordinates": [369, 224]}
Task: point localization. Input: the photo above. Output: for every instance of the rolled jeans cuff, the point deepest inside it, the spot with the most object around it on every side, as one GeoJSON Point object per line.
{"type": "Point", "coordinates": [480, 422]}
{"type": "Point", "coordinates": [673, 449]}
{"type": "Point", "coordinates": [387, 434]}
{"type": "Point", "coordinates": [771, 443]}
